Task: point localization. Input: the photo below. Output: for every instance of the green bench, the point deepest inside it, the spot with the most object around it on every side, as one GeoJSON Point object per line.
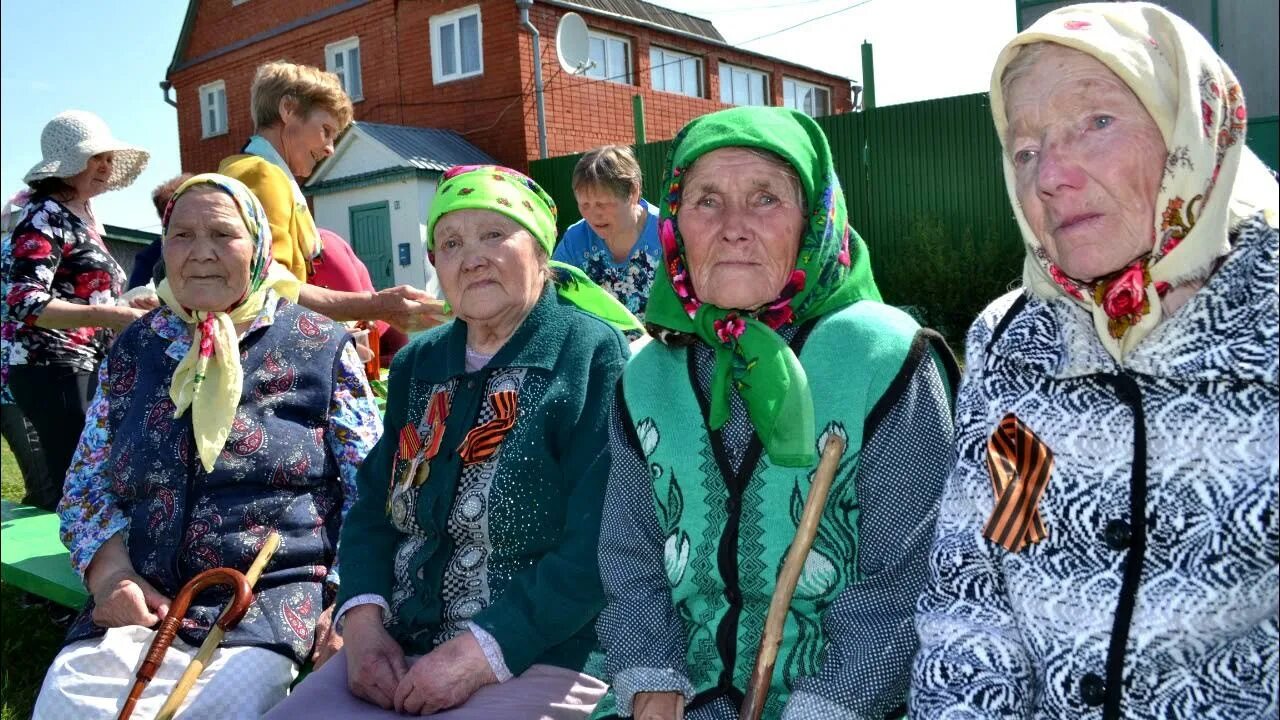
{"type": "Point", "coordinates": [32, 557]}
{"type": "Point", "coordinates": [35, 560]}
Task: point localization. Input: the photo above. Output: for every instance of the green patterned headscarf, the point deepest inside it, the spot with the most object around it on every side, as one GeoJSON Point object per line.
{"type": "Point", "coordinates": [832, 271]}
{"type": "Point", "coordinates": [503, 190]}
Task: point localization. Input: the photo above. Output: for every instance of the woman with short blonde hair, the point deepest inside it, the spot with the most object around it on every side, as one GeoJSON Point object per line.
{"type": "Point", "coordinates": [310, 87]}
{"type": "Point", "coordinates": [298, 113]}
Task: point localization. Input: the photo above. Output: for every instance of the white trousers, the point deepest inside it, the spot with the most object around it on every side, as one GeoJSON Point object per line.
{"type": "Point", "coordinates": [90, 679]}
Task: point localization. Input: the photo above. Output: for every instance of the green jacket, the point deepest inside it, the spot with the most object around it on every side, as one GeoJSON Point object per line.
{"type": "Point", "coordinates": [508, 542]}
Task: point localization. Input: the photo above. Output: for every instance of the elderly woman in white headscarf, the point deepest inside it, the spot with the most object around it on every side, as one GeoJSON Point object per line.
{"type": "Point", "coordinates": [1107, 543]}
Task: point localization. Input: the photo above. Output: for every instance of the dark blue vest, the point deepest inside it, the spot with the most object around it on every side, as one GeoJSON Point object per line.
{"type": "Point", "coordinates": [275, 472]}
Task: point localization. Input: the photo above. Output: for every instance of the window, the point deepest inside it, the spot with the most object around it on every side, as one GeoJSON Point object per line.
{"type": "Point", "coordinates": [213, 108]}
{"type": "Point", "coordinates": [743, 86]}
{"type": "Point", "coordinates": [455, 45]}
{"type": "Point", "coordinates": [343, 59]}
{"type": "Point", "coordinates": [675, 72]}
{"type": "Point", "coordinates": [812, 100]}
{"type": "Point", "coordinates": [610, 57]}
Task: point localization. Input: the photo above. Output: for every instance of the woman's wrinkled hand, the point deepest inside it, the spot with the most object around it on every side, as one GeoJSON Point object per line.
{"type": "Point", "coordinates": [375, 662]}
{"type": "Point", "coordinates": [147, 301]}
{"type": "Point", "coordinates": [328, 641]}
{"type": "Point", "coordinates": [124, 598]}
{"type": "Point", "coordinates": [408, 309]}
{"type": "Point", "coordinates": [445, 677]}
{"type": "Point", "coordinates": [657, 706]}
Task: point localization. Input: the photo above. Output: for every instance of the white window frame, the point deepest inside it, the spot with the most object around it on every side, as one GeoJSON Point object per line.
{"type": "Point", "coordinates": [219, 103]}
{"type": "Point", "coordinates": [797, 89]}
{"type": "Point", "coordinates": [608, 73]}
{"type": "Point", "coordinates": [729, 68]}
{"type": "Point", "coordinates": [660, 57]}
{"type": "Point", "coordinates": [343, 50]}
{"type": "Point", "coordinates": [453, 18]}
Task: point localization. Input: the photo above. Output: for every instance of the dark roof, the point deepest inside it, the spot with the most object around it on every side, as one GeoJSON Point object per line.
{"type": "Point", "coordinates": [648, 13]}
{"type": "Point", "coordinates": [129, 235]}
{"type": "Point", "coordinates": [426, 148]}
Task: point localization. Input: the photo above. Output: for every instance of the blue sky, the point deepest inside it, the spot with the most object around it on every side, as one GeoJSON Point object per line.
{"type": "Point", "coordinates": [105, 56]}
{"type": "Point", "coordinates": [108, 56]}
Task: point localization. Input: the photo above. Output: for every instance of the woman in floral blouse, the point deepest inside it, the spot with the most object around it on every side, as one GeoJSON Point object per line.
{"type": "Point", "coordinates": [61, 285]}
{"type": "Point", "coordinates": [616, 241]}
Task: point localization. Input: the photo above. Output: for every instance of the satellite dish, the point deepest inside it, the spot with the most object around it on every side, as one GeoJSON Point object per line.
{"type": "Point", "coordinates": [571, 44]}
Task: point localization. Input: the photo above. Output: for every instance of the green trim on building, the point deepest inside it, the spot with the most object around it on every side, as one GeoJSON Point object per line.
{"type": "Point", "coordinates": [376, 177]}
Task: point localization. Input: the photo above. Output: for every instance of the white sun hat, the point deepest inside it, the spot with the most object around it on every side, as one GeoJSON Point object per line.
{"type": "Point", "coordinates": [74, 136]}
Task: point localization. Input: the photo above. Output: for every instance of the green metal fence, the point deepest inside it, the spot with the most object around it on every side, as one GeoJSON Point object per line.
{"type": "Point", "coordinates": [925, 189]}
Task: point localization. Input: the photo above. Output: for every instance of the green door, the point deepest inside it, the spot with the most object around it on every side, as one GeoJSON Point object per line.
{"type": "Point", "coordinates": [371, 239]}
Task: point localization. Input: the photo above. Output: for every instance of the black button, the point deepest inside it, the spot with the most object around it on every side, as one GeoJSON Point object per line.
{"type": "Point", "coordinates": [733, 596]}
{"type": "Point", "coordinates": [471, 384]}
{"type": "Point", "coordinates": [1118, 534]}
{"type": "Point", "coordinates": [1092, 690]}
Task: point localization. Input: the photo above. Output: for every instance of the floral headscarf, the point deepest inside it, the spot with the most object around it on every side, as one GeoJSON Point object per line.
{"type": "Point", "coordinates": [503, 190]}
{"type": "Point", "coordinates": [209, 378]}
{"type": "Point", "coordinates": [832, 271]}
{"type": "Point", "coordinates": [1211, 180]}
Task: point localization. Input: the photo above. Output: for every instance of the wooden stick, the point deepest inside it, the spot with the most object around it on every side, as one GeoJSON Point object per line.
{"type": "Point", "coordinates": [240, 600]}
{"type": "Point", "coordinates": [214, 638]}
{"type": "Point", "coordinates": [780, 603]}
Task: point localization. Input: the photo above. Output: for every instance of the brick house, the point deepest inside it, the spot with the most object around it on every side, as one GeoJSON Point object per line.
{"type": "Point", "coordinates": [466, 65]}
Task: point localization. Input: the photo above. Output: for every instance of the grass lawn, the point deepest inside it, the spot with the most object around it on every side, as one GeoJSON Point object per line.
{"type": "Point", "coordinates": [28, 638]}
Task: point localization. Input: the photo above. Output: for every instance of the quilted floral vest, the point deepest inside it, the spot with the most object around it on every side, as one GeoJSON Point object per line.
{"type": "Point", "coordinates": [275, 473]}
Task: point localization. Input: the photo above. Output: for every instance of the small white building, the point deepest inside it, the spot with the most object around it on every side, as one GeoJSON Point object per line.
{"type": "Point", "coordinates": [376, 192]}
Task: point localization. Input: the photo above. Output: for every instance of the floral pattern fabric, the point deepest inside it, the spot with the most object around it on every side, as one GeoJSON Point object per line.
{"type": "Point", "coordinates": [629, 280]}
{"type": "Point", "coordinates": [54, 255]}
{"type": "Point", "coordinates": [89, 511]}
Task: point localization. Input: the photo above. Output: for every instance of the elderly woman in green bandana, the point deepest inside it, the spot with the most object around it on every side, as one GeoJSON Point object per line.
{"type": "Point", "coordinates": [472, 586]}
{"type": "Point", "coordinates": [770, 337]}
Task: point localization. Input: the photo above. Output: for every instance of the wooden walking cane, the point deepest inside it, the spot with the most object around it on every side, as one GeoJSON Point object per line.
{"type": "Point", "coordinates": [242, 597]}
{"type": "Point", "coordinates": [780, 603]}
{"type": "Point", "coordinates": [214, 638]}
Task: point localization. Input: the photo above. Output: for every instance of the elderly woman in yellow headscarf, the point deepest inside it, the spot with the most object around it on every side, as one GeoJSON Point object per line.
{"type": "Point", "coordinates": [1107, 543]}
{"type": "Point", "coordinates": [225, 414]}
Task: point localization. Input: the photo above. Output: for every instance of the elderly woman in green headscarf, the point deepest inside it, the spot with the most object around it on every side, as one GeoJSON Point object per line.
{"type": "Point", "coordinates": [770, 338]}
{"type": "Point", "coordinates": [479, 511]}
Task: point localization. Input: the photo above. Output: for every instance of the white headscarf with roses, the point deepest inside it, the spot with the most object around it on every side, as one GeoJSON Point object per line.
{"type": "Point", "coordinates": [1211, 180]}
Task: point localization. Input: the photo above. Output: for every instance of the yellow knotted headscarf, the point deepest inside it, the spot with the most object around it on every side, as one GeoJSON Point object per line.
{"type": "Point", "coordinates": [1211, 180]}
{"type": "Point", "coordinates": [209, 378]}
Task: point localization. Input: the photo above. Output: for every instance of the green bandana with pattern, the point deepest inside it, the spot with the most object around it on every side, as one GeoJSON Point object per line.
{"type": "Point", "coordinates": [505, 191]}
{"type": "Point", "coordinates": [832, 271]}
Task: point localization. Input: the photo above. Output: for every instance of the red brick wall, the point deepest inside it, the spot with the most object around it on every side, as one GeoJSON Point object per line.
{"type": "Point", "coordinates": [494, 111]}
{"type": "Point", "coordinates": [379, 67]}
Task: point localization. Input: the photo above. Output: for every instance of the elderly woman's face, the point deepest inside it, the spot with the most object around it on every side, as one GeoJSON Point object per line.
{"type": "Point", "coordinates": [207, 251]}
{"type": "Point", "coordinates": [489, 265]}
{"type": "Point", "coordinates": [92, 180]}
{"type": "Point", "coordinates": [741, 217]}
{"type": "Point", "coordinates": [307, 140]}
{"type": "Point", "coordinates": [1088, 160]}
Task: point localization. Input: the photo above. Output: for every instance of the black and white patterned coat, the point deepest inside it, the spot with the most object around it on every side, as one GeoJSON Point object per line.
{"type": "Point", "coordinates": [1155, 592]}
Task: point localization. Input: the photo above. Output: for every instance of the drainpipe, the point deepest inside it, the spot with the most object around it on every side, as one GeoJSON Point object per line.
{"type": "Point", "coordinates": [524, 6]}
{"type": "Point", "coordinates": [165, 87]}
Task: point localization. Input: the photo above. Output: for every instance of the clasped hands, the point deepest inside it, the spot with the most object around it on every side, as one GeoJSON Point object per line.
{"type": "Point", "coordinates": [377, 671]}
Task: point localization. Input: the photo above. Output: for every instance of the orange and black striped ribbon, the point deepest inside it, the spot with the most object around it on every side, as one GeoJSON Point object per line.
{"type": "Point", "coordinates": [437, 411]}
{"type": "Point", "coordinates": [1020, 464]}
{"type": "Point", "coordinates": [482, 442]}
